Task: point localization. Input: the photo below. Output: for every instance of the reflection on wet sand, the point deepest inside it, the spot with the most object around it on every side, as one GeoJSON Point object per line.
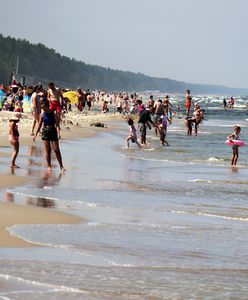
{"type": "Point", "coordinates": [34, 201]}
{"type": "Point", "coordinates": [9, 197]}
{"type": "Point", "coordinates": [35, 151]}
{"type": "Point", "coordinates": [40, 202]}
{"type": "Point", "coordinates": [42, 179]}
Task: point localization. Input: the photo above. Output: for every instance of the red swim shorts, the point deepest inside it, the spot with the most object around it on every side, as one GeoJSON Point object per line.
{"type": "Point", "coordinates": [55, 106]}
{"type": "Point", "coordinates": [187, 104]}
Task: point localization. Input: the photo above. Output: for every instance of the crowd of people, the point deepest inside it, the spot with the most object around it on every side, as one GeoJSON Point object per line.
{"type": "Point", "coordinates": [158, 113]}
{"type": "Point", "coordinates": [47, 106]}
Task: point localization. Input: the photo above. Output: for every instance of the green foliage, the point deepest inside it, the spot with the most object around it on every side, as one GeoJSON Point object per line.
{"type": "Point", "coordinates": [41, 64]}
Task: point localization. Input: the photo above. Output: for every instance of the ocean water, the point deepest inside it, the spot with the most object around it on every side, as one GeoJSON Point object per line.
{"type": "Point", "coordinates": [161, 222]}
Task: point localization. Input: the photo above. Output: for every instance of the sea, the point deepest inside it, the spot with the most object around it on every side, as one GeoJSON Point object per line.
{"type": "Point", "coordinates": [161, 222]}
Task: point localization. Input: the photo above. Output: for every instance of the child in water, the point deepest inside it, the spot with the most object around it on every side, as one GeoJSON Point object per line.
{"type": "Point", "coordinates": [162, 132]}
{"type": "Point", "coordinates": [234, 136]}
{"type": "Point", "coordinates": [132, 133]}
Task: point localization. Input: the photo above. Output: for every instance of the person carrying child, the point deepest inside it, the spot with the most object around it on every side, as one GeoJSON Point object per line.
{"type": "Point", "coordinates": [232, 137]}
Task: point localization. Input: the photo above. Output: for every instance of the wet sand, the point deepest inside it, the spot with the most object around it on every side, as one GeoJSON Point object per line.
{"type": "Point", "coordinates": [11, 214]}
{"type": "Point", "coordinates": [74, 126]}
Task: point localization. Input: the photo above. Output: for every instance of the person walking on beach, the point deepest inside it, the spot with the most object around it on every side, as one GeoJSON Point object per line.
{"type": "Point", "coordinates": [188, 103]}
{"type": "Point", "coordinates": [81, 100]}
{"type": "Point", "coordinates": [14, 137]}
{"type": "Point", "coordinates": [235, 148]}
{"type": "Point", "coordinates": [132, 133]}
{"type": "Point", "coordinates": [35, 106]}
{"type": "Point", "coordinates": [50, 134]}
{"type": "Point", "coordinates": [55, 98]}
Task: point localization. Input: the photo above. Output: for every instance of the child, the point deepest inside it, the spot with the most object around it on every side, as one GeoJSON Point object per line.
{"type": "Point", "coordinates": [162, 132]}
{"type": "Point", "coordinates": [132, 133]}
{"type": "Point", "coordinates": [188, 123]}
{"type": "Point", "coordinates": [235, 148]}
{"type": "Point", "coordinates": [14, 137]}
{"type": "Point", "coordinates": [50, 135]}
{"type": "Point", "coordinates": [105, 107]}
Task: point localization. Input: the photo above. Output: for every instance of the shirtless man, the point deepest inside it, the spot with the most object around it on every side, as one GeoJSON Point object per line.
{"type": "Point", "coordinates": [55, 98]}
{"type": "Point", "coordinates": [81, 99]}
{"type": "Point", "coordinates": [158, 112]}
{"type": "Point", "coordinates": [35, 106]}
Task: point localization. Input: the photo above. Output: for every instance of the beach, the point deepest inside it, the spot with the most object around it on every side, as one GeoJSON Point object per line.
{"type": "Point", "coordinates": [156, 223]}
{"type": "Point", "coordinates": [73, 126]}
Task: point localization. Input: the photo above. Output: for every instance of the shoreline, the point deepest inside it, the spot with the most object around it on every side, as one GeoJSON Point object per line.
{"type": "Point", "coordinates": [14, 214]}
{"type": "Point", "coordinates": [74, 126]}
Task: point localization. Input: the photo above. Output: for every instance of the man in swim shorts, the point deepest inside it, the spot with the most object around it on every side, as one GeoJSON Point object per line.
{"type": "Point", "coordinates": [55, 98]}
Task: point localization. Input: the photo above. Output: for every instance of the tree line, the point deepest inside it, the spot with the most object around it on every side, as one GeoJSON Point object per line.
{"type": "Point", "coordinates": [38, 63]}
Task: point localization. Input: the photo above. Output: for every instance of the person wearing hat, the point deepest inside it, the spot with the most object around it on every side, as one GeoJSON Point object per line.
{"type": "Point", "coordinates": [14, 137]}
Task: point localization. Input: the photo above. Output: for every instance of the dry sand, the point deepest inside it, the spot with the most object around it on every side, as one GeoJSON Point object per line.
{"type": "Point", "coordinates": [74, 125]}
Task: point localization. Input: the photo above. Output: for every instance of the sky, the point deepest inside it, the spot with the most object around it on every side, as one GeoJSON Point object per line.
{"type": "Point", "coordinates": [196, 41]}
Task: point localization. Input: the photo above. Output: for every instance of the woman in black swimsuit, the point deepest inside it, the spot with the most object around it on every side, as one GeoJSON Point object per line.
{"type": "Point", "coordinates": [50, 133]}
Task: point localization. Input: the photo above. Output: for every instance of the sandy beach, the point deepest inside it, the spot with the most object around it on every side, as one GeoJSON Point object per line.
{"type": "Point", "coordinates": [74, 125]}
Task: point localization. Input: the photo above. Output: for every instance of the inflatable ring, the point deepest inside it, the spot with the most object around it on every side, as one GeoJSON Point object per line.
{"type": "Point", "coordinates": [235, 142]}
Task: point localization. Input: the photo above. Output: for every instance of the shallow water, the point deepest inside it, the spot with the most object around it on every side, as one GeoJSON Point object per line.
{"type": "Point", "coordinates": [162, 223]}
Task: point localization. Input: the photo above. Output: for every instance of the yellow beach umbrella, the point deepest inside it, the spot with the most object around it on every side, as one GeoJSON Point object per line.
{"type": "Point", "coordinates": [72, 96]}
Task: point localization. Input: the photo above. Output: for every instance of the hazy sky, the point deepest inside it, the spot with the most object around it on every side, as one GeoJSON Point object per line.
{"type": "Point", "coordinates": [198, 41]}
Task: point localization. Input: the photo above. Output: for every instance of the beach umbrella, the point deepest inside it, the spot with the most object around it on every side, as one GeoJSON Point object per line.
{"type": "Point", "coordinates": [72, 96]}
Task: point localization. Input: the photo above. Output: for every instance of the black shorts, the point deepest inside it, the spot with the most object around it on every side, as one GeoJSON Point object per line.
{"type": "Point", "coordinates": [142, 128]}
{"type": "Point", "coordinates": [49, 133]}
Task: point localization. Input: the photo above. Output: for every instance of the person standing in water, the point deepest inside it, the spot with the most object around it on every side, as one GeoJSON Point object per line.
{"type": "Point", "coordinates": [50, 135]}
{"type": "Point", "coordinates": [132, 133]}
{"type": "Point", "coordinates": [144, 121]}
{"type": "Point", "coordinates": [224, 103]}
{"type": "Point", "coordinates": [162, 132]}
{"type": "Point", "coordinates": [188, 103]}
{"type": "Point", "coordinates": [232, 137]}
